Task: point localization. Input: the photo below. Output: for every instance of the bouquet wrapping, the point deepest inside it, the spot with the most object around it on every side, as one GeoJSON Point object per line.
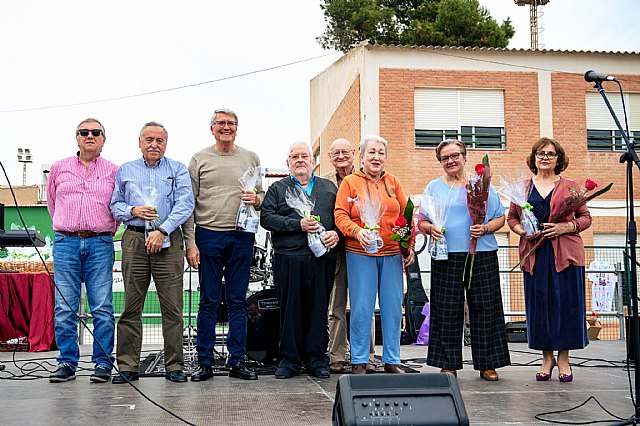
{"type": "Point", "coordinates": [150, 198]}
{"type": "Point", "coordinates": [298, 200]}
{"type": "Point", "coordinates": [247, 219]}
{"type": "Point", "coordinates": [436, 209]}
{"type": "Point", "coordinates": [515, 189]}
{"type": "Point", "coordinates": [578, 195]}
{"type": "Point", "coordinates": [477, 200]}
{"type": "Point", "coordinates": [371, 210]}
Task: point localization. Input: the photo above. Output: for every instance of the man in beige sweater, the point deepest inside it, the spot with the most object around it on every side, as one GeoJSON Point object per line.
{"type": "Point", "coordinates": [216, 248]}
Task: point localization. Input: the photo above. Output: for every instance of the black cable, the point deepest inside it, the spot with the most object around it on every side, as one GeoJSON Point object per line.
{"type": "Point", "coordinates": [75, 313]}
{"type": "Point", "coordinates": [153, 92]}
{"type": "Point", "coordinates": [539, 416]}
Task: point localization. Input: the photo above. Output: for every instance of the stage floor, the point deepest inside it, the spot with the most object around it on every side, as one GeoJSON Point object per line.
{"type": "Point", "coordinates": [515, 399]}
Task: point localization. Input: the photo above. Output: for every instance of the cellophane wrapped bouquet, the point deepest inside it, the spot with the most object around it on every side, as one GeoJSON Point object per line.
{"type": "Point", "coordinates": [247, 219]}
{"type": "Point", "coordinates": [302, 203]}
{"type": "Point", "coordinates": [515, 189]}
{"type": "Point", "coordinates": [150, 198]}
{"type": "Point", "coordinates": [436, 209]}
{"type": "Point", "coordinates": [371, 210]}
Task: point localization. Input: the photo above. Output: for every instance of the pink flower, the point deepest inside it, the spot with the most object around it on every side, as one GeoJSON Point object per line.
{"type": "Point", "coordinates": [590, 185]}
{"type": "Point", "coordinates": [480, 169]}
{"type": "Point", "coordinates": [401, 221]}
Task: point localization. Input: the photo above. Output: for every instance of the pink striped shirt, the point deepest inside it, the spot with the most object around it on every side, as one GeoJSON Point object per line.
{"type": "Point", "coordinates": [78, 199]}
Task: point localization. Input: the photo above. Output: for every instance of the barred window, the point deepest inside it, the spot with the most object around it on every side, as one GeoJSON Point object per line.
{"type": "Point", "coordinates": [602, 132]}
{"type": "Point", "coordinates": [475, 116]}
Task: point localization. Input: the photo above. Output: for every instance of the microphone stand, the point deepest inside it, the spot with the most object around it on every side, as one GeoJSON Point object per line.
{"type": "Point", "coordinates": [629, 157]}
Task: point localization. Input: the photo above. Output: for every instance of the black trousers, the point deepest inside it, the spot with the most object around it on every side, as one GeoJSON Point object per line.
{"type": "Point", "coordinates": [303, 285]}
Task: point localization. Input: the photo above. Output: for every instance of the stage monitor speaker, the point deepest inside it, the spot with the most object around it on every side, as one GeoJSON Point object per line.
{"type": "Point", "coordinates": [399, 399]}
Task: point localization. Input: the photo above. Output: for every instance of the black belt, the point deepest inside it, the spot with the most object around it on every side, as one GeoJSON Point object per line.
{"type": "Point", "coordinates": [136, 228]}
{"type": "Point", "coordinates": [83, 234]}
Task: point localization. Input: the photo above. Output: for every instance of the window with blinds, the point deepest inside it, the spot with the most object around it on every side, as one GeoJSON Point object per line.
{"type": "Point", "coordinates": [602, 132]}
{"type": "Point", "coordinates": [475, 116]}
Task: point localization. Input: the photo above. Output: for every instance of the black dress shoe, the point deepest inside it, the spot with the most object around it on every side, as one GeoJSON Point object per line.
{"type": "Point", "coordinates": [321, 372]}
{"type": "Point", "coordinates": [203, 373]}
{"type": "Point", "coordinates": [177, 376]}
{"type": "Point", "coordinates": [240, 371]}
{"type": "Point", "coordinates": [124, 377]}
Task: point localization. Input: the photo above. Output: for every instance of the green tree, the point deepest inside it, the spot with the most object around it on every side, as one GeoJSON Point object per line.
{"type": "Point", "coordinates": [411, 22]}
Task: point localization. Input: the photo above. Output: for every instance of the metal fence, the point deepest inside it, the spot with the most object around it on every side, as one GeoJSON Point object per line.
{"type": "Point", "coordinates": [612, 321]}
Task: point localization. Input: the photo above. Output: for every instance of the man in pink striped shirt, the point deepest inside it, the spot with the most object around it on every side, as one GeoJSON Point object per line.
{"type": "Point", "coordinates": [79, 192]}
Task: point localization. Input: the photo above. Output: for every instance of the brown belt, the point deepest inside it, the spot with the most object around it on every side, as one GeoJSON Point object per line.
{"type": "Point", "coordinates": [83, 234]}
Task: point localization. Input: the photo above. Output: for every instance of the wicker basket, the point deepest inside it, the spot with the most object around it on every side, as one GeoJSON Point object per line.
{"type": "Point", "coordinates": [14, 347]}
{"type": "Point", "coordinates": [25, 265]}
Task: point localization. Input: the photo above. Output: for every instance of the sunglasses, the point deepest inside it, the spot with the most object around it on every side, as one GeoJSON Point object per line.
{"type": "Point", "coordinates": [84, 132]}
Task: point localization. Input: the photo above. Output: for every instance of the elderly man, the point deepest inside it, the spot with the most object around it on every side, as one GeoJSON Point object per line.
{"type": "Point", "coordinates": [217, 248]}
{"type": "Point", "coordinates": [153, 198]}
{"type": "Point", "coordinates": [303, 281]}
{"type": "Point", "coordinates": [79, 190]}
{"type": "Point", "coordinates": [341, 155]}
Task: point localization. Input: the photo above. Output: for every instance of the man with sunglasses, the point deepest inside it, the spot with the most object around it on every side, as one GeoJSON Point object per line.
{"type": "Point", "coordinates": [216, 248]}
{"type": "Point", "coordinates": [153, 198]}
{"type": "Point", "coordinates": [79, 190]}
{"type": "Point", "coordinates": [341, 155]}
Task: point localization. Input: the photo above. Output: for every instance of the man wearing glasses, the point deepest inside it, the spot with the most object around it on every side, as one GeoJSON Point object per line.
{"type": "Point", "coordinates": [216, 248]}
{"type": "Point", "coordinates": [79, 190]}
{"type": "Point", "coordinates": [341, 155]}
{"type": "Point", "coordinates": [153, 198]}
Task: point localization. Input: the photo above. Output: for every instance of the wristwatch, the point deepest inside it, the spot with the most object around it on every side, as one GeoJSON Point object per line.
{"type": "Point", "coordinates": [162, 231]}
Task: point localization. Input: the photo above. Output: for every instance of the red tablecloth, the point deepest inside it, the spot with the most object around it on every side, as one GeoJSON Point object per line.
{"type": "Point", "coordinates": [27, 302]}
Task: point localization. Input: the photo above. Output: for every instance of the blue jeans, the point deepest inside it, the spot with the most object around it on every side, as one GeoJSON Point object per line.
{"type": "Point", "coordinates": [89, 260]}
{"type": "Point", "coordinates": [228, 255]}
{"type": "Point", "coordinates": [370, 276]}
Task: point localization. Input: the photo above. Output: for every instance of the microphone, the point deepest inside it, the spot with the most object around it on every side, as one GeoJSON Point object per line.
{"type": "Point", "coordinates": [593, 77]}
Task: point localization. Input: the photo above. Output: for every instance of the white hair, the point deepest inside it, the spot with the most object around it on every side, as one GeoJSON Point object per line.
{"type": "Point", "coordinates": [372, 138]}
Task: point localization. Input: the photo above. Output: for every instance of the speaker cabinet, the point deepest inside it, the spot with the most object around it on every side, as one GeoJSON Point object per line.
{"type": "Point", "coordinates": [399, 399]}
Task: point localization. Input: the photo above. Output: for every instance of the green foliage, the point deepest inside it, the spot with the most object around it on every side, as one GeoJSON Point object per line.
{"type": "Point", "coordinates": [411, 22]}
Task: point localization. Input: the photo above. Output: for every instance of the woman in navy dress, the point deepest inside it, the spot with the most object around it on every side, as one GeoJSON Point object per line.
{"type": "Point", "coordinates": [554, 274]}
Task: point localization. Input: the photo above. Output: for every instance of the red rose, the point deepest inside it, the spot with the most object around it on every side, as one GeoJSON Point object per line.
{"type": "Point", "coordinates": [589, 184]}
{"type": "Point", "coordinates": [480, 169]}
{"type": "Point", "coordinates": [401, 221]}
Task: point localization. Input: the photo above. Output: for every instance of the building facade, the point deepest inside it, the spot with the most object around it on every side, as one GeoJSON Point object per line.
{"type": "Point", "coordinates": [498, 101]}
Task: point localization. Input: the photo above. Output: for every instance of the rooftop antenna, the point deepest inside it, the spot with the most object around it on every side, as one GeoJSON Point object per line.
{"type": "Point", "coordinates": [533, 18]}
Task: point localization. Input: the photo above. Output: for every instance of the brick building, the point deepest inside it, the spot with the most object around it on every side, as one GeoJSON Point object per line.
{"type": "Point", "coordinates": [499, 101]}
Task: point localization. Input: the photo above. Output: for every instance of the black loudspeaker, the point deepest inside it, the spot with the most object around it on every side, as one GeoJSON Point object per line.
{"type": "Point", "coordinates": [399, 399]}
{"type": "Point", "coordinates": [414, 300]}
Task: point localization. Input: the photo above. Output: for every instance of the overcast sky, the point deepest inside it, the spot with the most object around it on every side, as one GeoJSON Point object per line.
{"type": "Point", "coordinates": [69, 52]}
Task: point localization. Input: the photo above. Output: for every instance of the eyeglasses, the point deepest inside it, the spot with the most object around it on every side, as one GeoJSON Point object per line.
{"type": "Point", "coordinates": [85, 132]}
{"type": "Point", "coordinates": [223, 123]}
{"type": "Point", "coordinates": [455, 157]}
{"type": "Point", "coordinates": [343, 152]}
{"type": "Point", "coordinates": [550, 155]}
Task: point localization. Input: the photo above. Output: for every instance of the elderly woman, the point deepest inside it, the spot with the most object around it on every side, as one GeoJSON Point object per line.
{"type": "Point", "coordinates": [554, 281]}
{"type": "Point", "coordinates": [488, 334]}
{"type": "Point", "coordinates": [371, 274]}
